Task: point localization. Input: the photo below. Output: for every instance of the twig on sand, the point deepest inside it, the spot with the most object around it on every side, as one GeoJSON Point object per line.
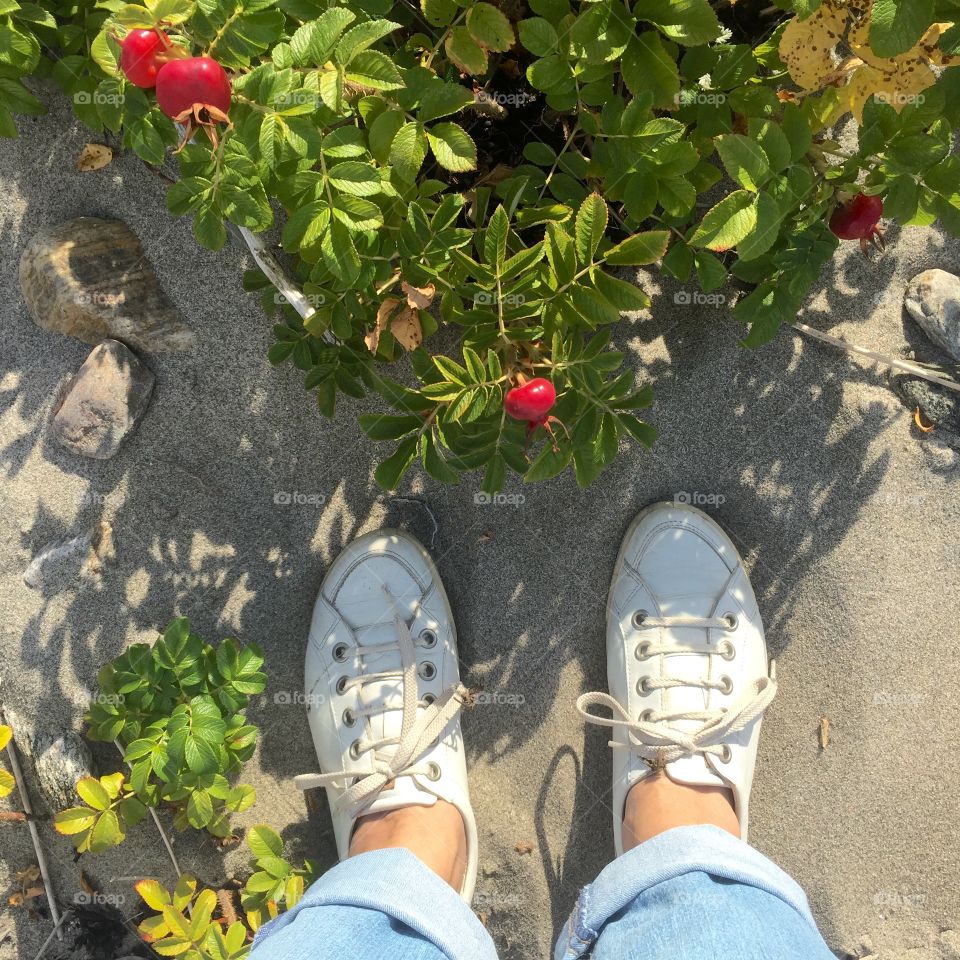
{"type": "Point", "coordinates": [34, 834]}
{"type": "Point", "coordinates": [55, 930]}
{"type": "Point", "coordinates": [894, 362]}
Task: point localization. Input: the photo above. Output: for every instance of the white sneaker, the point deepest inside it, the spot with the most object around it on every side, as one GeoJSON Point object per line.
{"type": "Point", "coordinates": [686, 660]}
{"type": "Point", "coordinates": [383, 689]}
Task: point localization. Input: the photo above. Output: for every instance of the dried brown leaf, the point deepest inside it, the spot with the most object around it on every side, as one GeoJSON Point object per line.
{"type": "Point", "coordinates": [419, 298]}
{"type": "Point", "coordinates": [94, 156]}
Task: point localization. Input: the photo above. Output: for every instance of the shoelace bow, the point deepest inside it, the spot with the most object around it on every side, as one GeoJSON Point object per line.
{"type": "Point", "coordinates": [417, 732]}
{"type": "Point", "coordinates": [656, 741]}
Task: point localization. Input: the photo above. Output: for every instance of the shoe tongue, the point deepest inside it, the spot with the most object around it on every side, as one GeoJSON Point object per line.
{"type": "Point", "coordinates": [692, 666]}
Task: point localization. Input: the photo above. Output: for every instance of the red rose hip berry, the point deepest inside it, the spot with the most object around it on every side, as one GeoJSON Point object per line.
{"type": "Point", "coordinates": [141, 57]}
{"type": "Point", "coordinates": [187, 86]}
{"type": "Point", "coordinates": [858, 219]}
{"type": "Point", "coordinates": [531, 401]}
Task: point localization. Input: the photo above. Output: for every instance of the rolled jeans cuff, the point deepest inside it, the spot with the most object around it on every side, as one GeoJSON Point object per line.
{"type": "Point", "coordinates": [398, 884]}
{"type": "Point", "coordinates": [664, 857]}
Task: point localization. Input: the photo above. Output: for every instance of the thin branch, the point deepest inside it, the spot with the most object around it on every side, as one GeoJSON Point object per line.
{"type": "Point", "coordinates": [55, 930]}
{"type": "Point", "coordinates": [893, 362]}
{"type": "Point", "coordinates": [34, 834]}
{"type": "Point", "coordinates": [160, 830]}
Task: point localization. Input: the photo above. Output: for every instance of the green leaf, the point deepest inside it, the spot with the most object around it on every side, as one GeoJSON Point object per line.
{"type": "Point", "coordinates": [106, 832]}
{"type": "Point", "coordinates": [355, 178]}
{"type": "Point", "coordinates": [743, 160]}
{"type": "Point", "coordinates": [591, 224]}
{"type": "Point", "coordinates": [389, 472]}
{"type": "Point", "coordinates": [199, 809]}
{"type": "Point", "coordinates": [360, 37]}
{"type": "Point", "coordinates": [442, 99]}
{"type": "Point", "coordinates": [340, 253]}
{"type": "Point", "coordinates": [690, 22]}
{"type": "Point", "coordinates": [726, 224]}
{"type": "Point", "coordinates": [408, 151]}
{"type": "Point", "coordinates": [375, 70]}
{"type": "Point", "coordinates": [314, 42]}
{"type": "Point", "coordinates": [897, 25]}
{"type": "Point", "coordinates": [765, 233]}
{"type": "Point", "coordinates": [538, 36]}
{"type": "Point", "coordinates": [639, 249]}
{"type": "Point", "coordinates": [464, 52]}
{"type": "Point", "coordinates": [647, 66]}
{"type": "Point", "coordinates": [264, 842]}
{"type": "Point", "coordinates": [549, 73]}
{"type": "Point", "coordinates": [772, 141]}
{"type": "Point", "coordinates": [92, 792]}
{"type": "Point", "coordinates": [495, 239]}
{"type": "Point", "coordinates": [489, 27]}
{"type": "Point", "coordinates": [453, 147]}
{"type": "Point", "coordinates": [357, 215]}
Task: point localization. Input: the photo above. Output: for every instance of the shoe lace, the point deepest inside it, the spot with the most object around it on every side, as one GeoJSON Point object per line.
{"type": "Point", "coordinates": [421, 726]}
{"type": "Point", "coordinates": [654, 737]}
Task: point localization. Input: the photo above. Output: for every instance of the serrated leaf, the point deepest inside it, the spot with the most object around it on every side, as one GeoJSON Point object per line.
{"type": "Point", "coordinates": [489, 27]}
{"type": "Point", "coordinates": [453, 147]}
{"type": "Point", "coordinates": [442, 99]}
{"type": "Point", "coordinates": [743, 160]}
{"type": "Point", "coordinates": [639, 249]}
{"type": "Point", "coordinates": [727, 223]}
{"type": "Point", "coordinates": [408, 151]}
{"type": "Point", "coordinates": [314, 42]}
{"type": "Point", "coordinates": [690, 22]}
{"type": "Point", "coordinates": [375, 70]}
{"type": "Point", "coordinates": [361, 37]}
{"type": "Point", "coordinates": [897, 25]}
{"type": "Point", "coordinates": [464, 52]}
{"type": "Point", "coordinates": [589, 227]}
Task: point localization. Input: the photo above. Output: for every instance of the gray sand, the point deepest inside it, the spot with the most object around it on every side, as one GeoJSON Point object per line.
{"type": "Point", "coordinates": [845, 513]}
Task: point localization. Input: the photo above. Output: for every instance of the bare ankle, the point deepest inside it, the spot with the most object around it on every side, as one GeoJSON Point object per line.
{"type": "Point", "coordinates": [435, 835]}
{"type": "Point", "coordinates": [656, 804]}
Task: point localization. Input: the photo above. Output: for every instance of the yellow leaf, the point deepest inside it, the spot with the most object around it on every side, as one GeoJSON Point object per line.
{"type": "Point", "coordinates": [807, 46]}
{"type": "Point", "coordinates": [5, 734]}
{"type": "Point", "coordinates": [93, 156]}
{"type": "Point", "coordinates": [153, 894]}
{"type": "Point", "coordinates": [7, 783]}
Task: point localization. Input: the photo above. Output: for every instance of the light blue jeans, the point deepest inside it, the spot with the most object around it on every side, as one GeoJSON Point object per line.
{"type": "Point", "coordinates": [693, 893]}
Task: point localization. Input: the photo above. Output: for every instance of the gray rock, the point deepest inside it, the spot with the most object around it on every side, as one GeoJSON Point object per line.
{"type": "Point", "coordinates": [54, 760]}
{"type": "Point", "coordinates": [933, 300]}
{"type": "Point", "coordinates": [103, 402]}
{"type": "Point", "coordinates": [62, 561]}
{"type": "Point", "coordinates": [938, 406]}
{"type": "Point", "coordinates": [89, 279]}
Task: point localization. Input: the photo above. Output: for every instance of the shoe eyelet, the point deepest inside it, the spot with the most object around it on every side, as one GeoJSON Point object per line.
{"type": "Point", "coordinates": [355, 750]}
{"type": "Point", "coordinates": [428, 698]}
{"type": "Point", "coordinates": [732, 621]}
{"type": "Point", "coordinates": [638, 619]}
{"type": "Point", "coordinates": [727, 754]}
{"type": "Point", "coordinates": [428, 639]}
{"type": "Point", "coordinates": [342, 685]}
{"type": "Point", "coordinates": [726, 650]}
{"type": "Point", "coordinates": [340, 652]}
{"type": "Point", "coordinates": [642, 651]}
{"type": "Point", "coordinates": [642, 687]}
{"type": "Point", "coordinates": [349, 718]}
{"type": "Point", "coordinates": [427, 670]}
{"type": "Point", "coordinates": [646, 716]}
{"type": "Point", "coordinates": [433, 771]}
{"type": "Point", "coordinates": [727, 685]}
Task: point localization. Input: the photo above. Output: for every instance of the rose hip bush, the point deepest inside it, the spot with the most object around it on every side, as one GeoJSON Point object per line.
{"type": "Point", "coordinates": [492, 169]}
